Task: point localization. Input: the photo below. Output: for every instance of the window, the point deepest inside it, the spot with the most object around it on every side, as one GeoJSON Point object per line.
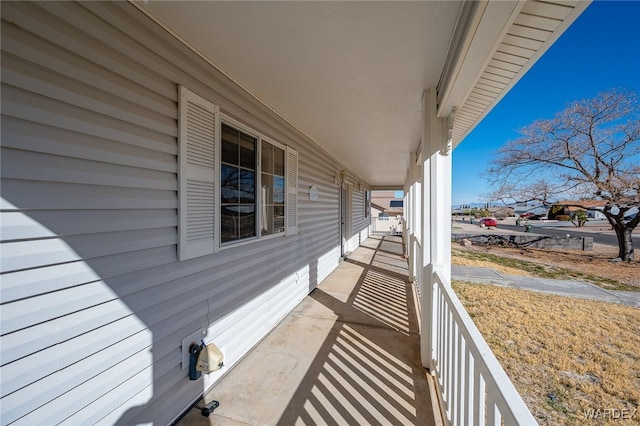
{"type": "Point", "coordinates": [273, 189]}
{"type": "Point", "coordinates": [367, 203]}
{"type": "Point", "coordinates": [232, 184]}
{"type": "Point", "coordinates": [237, 185]}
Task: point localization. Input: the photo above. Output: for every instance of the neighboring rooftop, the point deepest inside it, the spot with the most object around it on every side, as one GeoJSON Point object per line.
{"type": "Point", "coordinates": [387, 202]}
{"type": "Point", "coordinates": [587, 204]}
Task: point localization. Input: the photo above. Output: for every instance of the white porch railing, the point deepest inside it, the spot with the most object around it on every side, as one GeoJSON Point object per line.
{"type": "Point", "coordinates": [474, 388]}
{"type": "Point", "coordinates": [385, 225]}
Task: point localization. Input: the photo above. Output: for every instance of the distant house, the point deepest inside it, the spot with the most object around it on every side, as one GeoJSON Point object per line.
{"type": "Point", "coordinates": [386, 204]}
{"type": "Point", "coordinates": [386, 212]}
{"type": "Point", "coordinates": [534, 207]}
{"type": "Point", "coordinates": [593, 207]}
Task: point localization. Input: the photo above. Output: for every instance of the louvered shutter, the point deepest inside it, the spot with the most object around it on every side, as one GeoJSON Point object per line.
{"type": "Point", "coordinates": [199, 133]}
{"type": "Point", "coordinates": [291, 203]}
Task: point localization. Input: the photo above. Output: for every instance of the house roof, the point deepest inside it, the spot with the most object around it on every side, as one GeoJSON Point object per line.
{"type": "Point", "coordinates": [351, 75]}
{"type": "Point", "coordinates": [573, 205]}
{"type": "Point", "coordinates": [382, 200]}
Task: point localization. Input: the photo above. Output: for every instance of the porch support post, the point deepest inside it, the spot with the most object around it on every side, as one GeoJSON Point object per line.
{"type": "Point", "coordinates": [435, 217]}
{"type": "Point", "coordinates": [409, 213]}
{"type": "Point", "coordinates": [412, 218]}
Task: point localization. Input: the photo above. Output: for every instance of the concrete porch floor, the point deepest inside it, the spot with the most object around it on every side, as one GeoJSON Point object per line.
{"type": "Point", "coordinates": [347, 355]}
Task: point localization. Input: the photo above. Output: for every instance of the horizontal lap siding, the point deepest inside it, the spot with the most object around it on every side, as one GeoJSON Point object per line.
{"type": "Point", "coordinates": [94, 302]}
{"type": "Point", "coordinates": [82, 168]}
{"type": "Point", "coordinates": [359, 223]}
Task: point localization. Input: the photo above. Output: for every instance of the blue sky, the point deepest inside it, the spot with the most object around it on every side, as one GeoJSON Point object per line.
{"type": "Point", "coordinates": [600, 51]}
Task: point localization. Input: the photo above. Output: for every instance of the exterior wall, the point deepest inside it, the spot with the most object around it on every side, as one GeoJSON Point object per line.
{"type": "Point", "coordinates": [375, 212]}
{"type": "Point", "coordinates": [94, 302]}
{"type": "Point", "coordinates": [531, 208]}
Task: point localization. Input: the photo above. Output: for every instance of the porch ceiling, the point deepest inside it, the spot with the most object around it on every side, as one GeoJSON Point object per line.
{"type": "Point", "coordinates": [350, 75]}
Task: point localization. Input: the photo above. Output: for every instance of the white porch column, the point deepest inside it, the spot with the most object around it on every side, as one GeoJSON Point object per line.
{"type": "Point", "coordinates": [435, 216]}
{"type": "Point", "coordinates": [413, 222]}
{"type": "Point", "coordinates": [409, 214]}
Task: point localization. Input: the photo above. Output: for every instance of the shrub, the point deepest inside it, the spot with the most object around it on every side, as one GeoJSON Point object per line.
{"type": "Point", "coordinates": [558, 210]}
{"type": "Point", "coordinates": [563, 217]}
{"type": "Point", "coordinates": [579, 218]}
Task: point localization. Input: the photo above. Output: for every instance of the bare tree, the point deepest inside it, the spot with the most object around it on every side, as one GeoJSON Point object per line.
{"type": "Point", "coordinates": [590, 150]}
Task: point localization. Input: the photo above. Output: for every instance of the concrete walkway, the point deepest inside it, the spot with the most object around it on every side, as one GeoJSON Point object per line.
{"type": "Point", "coordinates": [347, 355]}
{"type": "Point", "coordinates": [570, 288]}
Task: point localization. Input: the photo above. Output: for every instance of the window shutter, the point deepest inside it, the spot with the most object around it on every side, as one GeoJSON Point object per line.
{"type": "Point", "coordinates": [199, 133]}
{"type": "Point", "coordinates": [291, 203]}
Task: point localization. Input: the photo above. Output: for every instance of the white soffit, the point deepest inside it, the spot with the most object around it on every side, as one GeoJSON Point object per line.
{"type": "Point", "coordinates": [350, 75]}
{"type": "Point", "coordinates": [534, 27]}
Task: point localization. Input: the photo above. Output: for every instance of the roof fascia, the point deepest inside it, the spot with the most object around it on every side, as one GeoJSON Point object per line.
{"type": "Point", "coordinates": [480, 28]}
{"type": "Point", "coordinates": [578, 8]}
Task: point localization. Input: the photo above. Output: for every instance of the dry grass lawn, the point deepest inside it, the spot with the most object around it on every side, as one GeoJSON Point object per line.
{"type": "Point", "coordinates": [457, 259]}
{"type": "Point", "coordinates": [565, 356]}
{"type": "Point", "coordinates": [593, 267]}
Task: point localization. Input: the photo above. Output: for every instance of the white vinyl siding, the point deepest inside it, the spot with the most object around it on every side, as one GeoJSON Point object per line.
{"type": "Point", "coordinates": [94, 301]}
{"type": "Point", "coordinates": [199, 136]}
{"type": "Point", "coordinates": [360, 221]}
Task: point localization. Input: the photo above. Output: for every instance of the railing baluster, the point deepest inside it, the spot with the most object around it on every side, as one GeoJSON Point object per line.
{"type": "Point", "coordinates": [482, 399]}
{"type": "Point", "coordinates": [441, 327]}
{"type": "Point", "coordinates": [493, 413]}
{"type": "Point", "coordinates": [469, 400]}
{"type": "Point", "coordinates": [461, 382]}
{"type": "Point", "coordinates": [474, 388]}
{"type": "Point", "coordinates": [455, 373]}
{"type": "Point", "coordinates": [449, 349]}
{"type": "Point", "coordinates": [445, 344]}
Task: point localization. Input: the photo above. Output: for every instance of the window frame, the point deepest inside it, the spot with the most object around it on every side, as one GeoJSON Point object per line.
{"type": "Point", "coordinates": [199, 172]}
{"type": "Point", "coordinates": [224, 120]}
{"type": "Point", "coordinates": [367, 203]}
{"type": "Point", "coordinates": [286, 183]}
{"type": "Point", "coordinates": [239, 126]}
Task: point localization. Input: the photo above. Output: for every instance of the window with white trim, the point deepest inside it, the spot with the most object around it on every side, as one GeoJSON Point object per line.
{"type": "Point", "coordinates": [237, 185]}
{"type": "Point", "coordinates": [233, 185]}
{"type": "Point", "coordinates": [273, 189]}
{"type": "Point", "coordinates": [367, 203]}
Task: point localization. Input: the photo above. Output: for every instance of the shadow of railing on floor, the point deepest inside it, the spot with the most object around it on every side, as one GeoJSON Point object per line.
{"type": "Point", "coordinates": [368, 369]}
